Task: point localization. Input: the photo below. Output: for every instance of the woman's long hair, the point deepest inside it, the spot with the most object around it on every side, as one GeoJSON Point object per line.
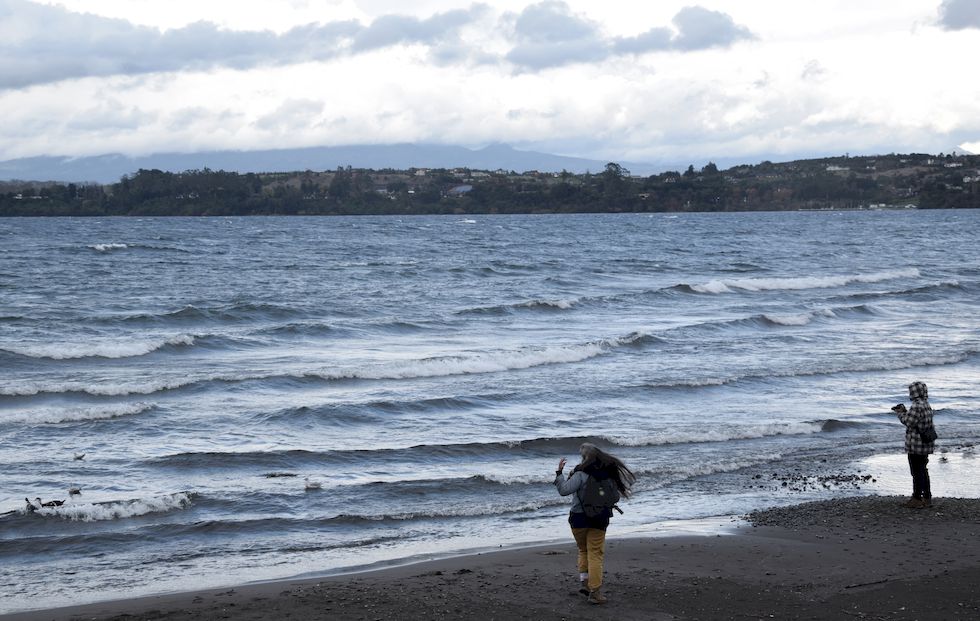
{"type": "Point", "coordinates": [594, 459]}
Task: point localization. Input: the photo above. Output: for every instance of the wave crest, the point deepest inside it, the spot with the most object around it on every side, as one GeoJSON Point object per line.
{"type": "Point", "coordinates": [53, 416]}
{"type": "Point", "coordinates": [105, 349]}
{"type": "Point", "coordinates": [103, 511]}
{"type": "Point", "coordinates": [807, 282]}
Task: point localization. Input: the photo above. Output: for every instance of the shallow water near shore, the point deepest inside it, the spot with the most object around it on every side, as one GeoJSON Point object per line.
{"type": "Point", "coordinates": [429, 372]}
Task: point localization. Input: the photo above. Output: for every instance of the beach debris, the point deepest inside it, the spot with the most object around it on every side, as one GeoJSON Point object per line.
{"type": "Point", "coordinates": [50, 503]}
{"type": "Point", "coordinates": [312, 486]}
{"type": "Point", "coordinates": [30, 506]}
{"type": "Point", "coordinates": [279, 475]}
{"type": "Point", "coordinates": [798, 482]}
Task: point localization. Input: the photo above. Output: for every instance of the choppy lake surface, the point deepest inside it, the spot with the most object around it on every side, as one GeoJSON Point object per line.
{"type": "Point", "coordinates": [428, 373]}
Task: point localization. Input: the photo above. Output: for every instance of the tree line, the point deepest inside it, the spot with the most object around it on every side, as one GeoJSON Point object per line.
{"type": "Point", "coordinates": [920, 180]}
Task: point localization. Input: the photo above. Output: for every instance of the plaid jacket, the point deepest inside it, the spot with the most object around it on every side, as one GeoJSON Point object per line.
{"type": "Point", "coordinates": [918, 416]}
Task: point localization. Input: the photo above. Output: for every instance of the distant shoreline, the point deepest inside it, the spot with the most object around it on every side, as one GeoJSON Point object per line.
{"type": "Point", "coordinates": [471, 214]}
{"type": "Point", "coordinates": [842, 183]}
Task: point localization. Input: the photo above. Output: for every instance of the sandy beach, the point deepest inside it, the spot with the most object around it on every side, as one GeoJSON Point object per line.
{"type": "Point", "coordinates": [852, 558]}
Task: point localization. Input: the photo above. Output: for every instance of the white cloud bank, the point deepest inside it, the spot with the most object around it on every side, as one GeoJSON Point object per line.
{"type": "Point", "coordinates": [665, 81]}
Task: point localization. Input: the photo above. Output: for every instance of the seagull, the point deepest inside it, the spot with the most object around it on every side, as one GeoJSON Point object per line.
{"type": "Point", "coordinates": [74, 490]}
{"type": "Point", "coordinates": [312, 485]}
{"type": "Point", "coordinates": [50, 503]}
{"type": "Point", "coordinates": [30, 506]}
{"type": "Point", "coordinates": [79, 456]}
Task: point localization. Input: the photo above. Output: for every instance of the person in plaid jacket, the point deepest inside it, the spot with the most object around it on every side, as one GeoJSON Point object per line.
{"type": "Point", "coordinates": [916, 419]}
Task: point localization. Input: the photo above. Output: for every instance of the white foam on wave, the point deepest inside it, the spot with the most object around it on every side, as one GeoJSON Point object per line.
{"type": "Point", "coordinates": [108, 247]}
{"type": "Point", "coordinates": [101, 349]}
{"type": "Point", "coordinates": [799, 319]}
{"type": "Point", "coordinates": [487, 363]}
{"type": "Point", "coordinates": [30, 388]}
{"type": "Point", "coordinates": [53, 416]}
{"type": "Point", "coordinates": [717, 435]}
{"type": "Point", "coordinates": [444, 367]}
{"type": "Point", "coordinates": [103, 511]}
{"type": "Point", "coordinates": [520, 479]}
{"type": "Point", "coordinates": [560, 304]}
{"type": "Point", "coordinates": [897, 364]}
{"type": "Point", "coordinates": [700, 469]}
{"type": "Point", "coordinates": [467, 510]}
{"type": "Point", "coordinates": [806, 282]}
{"type": "Point", "coordinates": [659, 477]}
{"type": "Point", "coordinates": [790, 320]}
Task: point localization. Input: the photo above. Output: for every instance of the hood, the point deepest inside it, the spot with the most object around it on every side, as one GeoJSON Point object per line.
{"type": "Point", "coordinates": [918, 390]}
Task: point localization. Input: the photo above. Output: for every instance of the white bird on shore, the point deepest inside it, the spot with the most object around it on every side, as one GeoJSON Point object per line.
{"type": "Point", "coordinates": [312, 485]}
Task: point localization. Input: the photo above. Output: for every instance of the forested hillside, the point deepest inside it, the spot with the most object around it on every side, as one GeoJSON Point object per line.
{"type": "Point", "coordinates": [918, 180]}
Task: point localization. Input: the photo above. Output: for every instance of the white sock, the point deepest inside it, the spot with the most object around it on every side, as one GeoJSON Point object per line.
{"type": "Point", "coordinates": [583, 576]}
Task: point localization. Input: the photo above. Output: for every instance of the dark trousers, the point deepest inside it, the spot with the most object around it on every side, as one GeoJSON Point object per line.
{"type": "Point", "coordinates": [918, 464]}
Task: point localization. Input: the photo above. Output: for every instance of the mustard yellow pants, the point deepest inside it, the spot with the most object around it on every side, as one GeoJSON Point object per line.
{"type": "Point", "coordinates": [591, 549]}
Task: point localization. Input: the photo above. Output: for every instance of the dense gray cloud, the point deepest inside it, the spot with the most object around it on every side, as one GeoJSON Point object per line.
{"type": "Point", "coordinates": [41, 44]}
{"type": "Point", "coordinates": [550, 35]}
{"type": "Point", "coordinates": [394, 29]}
{"type": "Point", "coordinates": [698, 29]}
{"type": "Point", "coordinates": [959, 14]}
{"type": "Point", "coordinates": [553, 21]}
{"type": "Point", "coordinates": [651, 40]}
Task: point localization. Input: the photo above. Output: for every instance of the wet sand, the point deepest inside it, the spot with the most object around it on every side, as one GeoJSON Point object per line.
{"type": "Point", "coordinates": [851, 558]}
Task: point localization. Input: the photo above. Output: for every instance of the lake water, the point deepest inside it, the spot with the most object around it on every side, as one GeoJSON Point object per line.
{"type": "Point", "coordinates": [429, 372]}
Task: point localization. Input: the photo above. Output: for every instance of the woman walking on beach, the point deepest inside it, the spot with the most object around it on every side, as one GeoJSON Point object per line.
{"type": "Point", "coordinates": [918, 421]}
{"type": "Point", "coordinates": [598, 474]}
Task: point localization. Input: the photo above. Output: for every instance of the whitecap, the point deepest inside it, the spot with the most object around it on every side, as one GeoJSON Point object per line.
{"type": "Point", "coordinates": [789, 320]}
{"type": "Point", "coordinates": [102, 511]}
{"type": "Point", "coordinates": [53, 415]}
{"type": "Point", "coordinates": [797, 283]}
{"type": "Point", "coordinates": [687, 436]}
{"type": "Point", "coordinates": [115, 348]}
{"type": "Point", "coordinates": [108, 247]}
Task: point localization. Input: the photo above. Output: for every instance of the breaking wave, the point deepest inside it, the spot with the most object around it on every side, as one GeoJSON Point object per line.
{"type": "Point", "coordinates": [53, 416]}
{"type": "Point", "coordinates": [807, 282]}
{"type": "Point", "coordinates": [103, 511]}
{"type": "Point", "coordinates": [108, 247]}
{"type": "Point", "coordinates": [104, 349]}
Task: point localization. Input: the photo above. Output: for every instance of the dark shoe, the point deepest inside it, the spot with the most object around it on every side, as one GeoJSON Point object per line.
{"type": "Point", "coordinates": [913, 503]}
{"type": "Point", "coordinates": [927, 502]}
{"type": "Point", "coordinates": [595, 597]}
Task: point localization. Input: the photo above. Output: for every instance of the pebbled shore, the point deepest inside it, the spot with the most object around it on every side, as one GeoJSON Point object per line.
{"type": "Point", "coordinates": [884, 515]}
{"type": "Point", "coordinates": [850, 558]}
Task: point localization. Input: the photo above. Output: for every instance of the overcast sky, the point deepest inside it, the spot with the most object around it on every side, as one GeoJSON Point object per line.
{"type": "Point", "coordinates": [621, 81]}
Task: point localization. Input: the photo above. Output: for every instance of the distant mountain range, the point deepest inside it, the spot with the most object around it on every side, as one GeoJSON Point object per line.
{"type": "Point", "coordinates": [109, 168]}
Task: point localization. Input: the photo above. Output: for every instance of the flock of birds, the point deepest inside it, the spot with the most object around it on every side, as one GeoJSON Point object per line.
{"type": "Point", "coordinates": [38, 504]}
{"type": "Point", "coordinates": [74, 490]}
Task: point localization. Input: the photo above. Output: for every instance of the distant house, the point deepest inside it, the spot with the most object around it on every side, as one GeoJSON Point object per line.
{"type": "Point", "coordinates": [953, 164]}
{"type": "Point", "coordinates": [833, 168]}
